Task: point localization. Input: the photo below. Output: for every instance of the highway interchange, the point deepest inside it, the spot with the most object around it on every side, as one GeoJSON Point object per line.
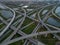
{"type": "Point", "coordinates": [20, 21]}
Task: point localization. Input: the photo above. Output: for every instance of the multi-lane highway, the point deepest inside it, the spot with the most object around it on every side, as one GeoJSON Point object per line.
{"type": "Point", "coordinates": [17, 20]}
{"type": "Point", "coordinates": [9, 22]}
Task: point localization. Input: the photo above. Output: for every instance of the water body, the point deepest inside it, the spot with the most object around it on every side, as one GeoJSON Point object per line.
{"type": "Point", "coordinates": [33, 16]}
{"type": "Point", "coordinates": [44, 12]}
{"type": "Point", "coordinates": [2, 6]}
{"type": "Point", "coordinates": [53, 21]}
{"type": "Point", "coordinates": [6, 13]}
{"type": "Point", "coordinates": [58, 11]}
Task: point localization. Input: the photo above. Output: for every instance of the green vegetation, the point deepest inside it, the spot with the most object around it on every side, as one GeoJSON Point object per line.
{"type": "Point", "coordinates": [29, 29]}
{"type": "Point", "coordinates": [48, 40]}
{"type": "Point", "coordinates": [18, 42]}
{"type": "Point", "coordinates": [27, 21]}
{"type": "Point", "coordinates": [1, 25]}
{"type": "Point", "coordinates": [6, 35]}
